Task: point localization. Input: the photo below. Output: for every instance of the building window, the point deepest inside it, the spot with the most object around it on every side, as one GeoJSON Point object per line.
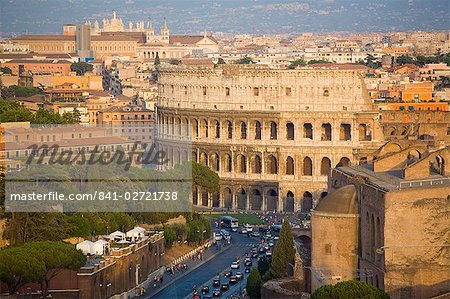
{"type": "Point", "coordinates": [308, 131]}
{"type": "Point", "coordinates": [273, 131]}
{"type": "Point", "coordinates": [288, 91]}
{"type": "Point", "coordinates": [290, 131]}
{"type": "Point", "coordinates": [204, 90]}
{"type": "Point", "coordinates": [255, 91]}
{"type": "Point", "coordinates": [326, 93]}
{"type": "Point", "coordinates": [258, 130]}
{"type": "Point", "coordinates": [326, 132]}
{"type": "Point", "coordinates": [227, 91]}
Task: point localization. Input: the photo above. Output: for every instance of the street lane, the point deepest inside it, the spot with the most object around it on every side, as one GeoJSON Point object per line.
{"type": "Point", "coordinates": [183, 287]}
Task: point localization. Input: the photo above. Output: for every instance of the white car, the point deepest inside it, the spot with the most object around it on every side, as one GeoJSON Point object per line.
{"type": "Point", "coordinates": [243, 230]}
{"type": "Point", "coordinates": [234, 265]}
{"type": "Point", "coordinates": [268, 253]}
{"type": "Point", "coordinates": [248, 227]}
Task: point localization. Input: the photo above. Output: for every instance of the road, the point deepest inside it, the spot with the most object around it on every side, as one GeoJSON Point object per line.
{"type": "Point", "coordinates": [183, 287]}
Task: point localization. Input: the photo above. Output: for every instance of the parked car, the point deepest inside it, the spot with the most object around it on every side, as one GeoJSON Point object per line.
{"type": "Point", "coordinates": [247, 270]}
{"type": "Point", "coordinates": [234, 265]}
{"type": "Point", "coordinates": [248, 263]}
{"type": "Point", "coordinates": [268, 253]}
{"type": "Point", "coordinates": [243, 230]}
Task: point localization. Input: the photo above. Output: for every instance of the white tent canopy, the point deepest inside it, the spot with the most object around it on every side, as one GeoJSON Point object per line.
{"type": "Point", "coordinates": [136, 233]}
{"type": "Point", "coordinates": [117, 235]}
{"type": "Point", "coordinates": [87, 247]}
{"type": "Point", "coordinates": [99, 247]}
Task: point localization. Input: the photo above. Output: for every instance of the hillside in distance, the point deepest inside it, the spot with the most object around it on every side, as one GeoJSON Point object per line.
{"type": "Point", "coordinates": [232, 16]}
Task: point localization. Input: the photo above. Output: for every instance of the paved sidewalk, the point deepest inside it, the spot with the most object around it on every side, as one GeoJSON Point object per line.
{"type": "Point", "coordinates": [191, 264]}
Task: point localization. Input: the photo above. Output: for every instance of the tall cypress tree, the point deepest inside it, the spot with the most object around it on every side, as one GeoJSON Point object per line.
{"type": "Point", "coordinates": [283, 253]}
{"type": "Point", "coordinates": [157, 61]}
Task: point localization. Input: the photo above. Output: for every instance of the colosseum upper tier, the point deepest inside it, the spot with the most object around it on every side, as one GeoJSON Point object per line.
{"type": "Point", "coordinates": [271, 135]}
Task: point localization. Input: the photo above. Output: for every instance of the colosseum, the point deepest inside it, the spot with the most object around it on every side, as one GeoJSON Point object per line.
{"type": "Point", "coordinates": [271, 135]}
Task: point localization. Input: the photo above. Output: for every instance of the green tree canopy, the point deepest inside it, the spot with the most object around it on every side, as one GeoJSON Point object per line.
{"type": "Point", "coordinates": [221, 61]}
{"type": "Point", "coordinates": [174, 61]}
{"type": "Point", "coordinates": [56, 256]}
{"type": "Point", "coordinates": [245, 60]}
{"type": "Point", "coordinates": [349, 289]}
{"type": "Point", "coordinates": [37, 262]}
{"type": "Point", "coordinates": [11, 111]}
{"type": "Point", "coordinates": [20, 91]}
{"type": "Point", "coordinates": [294, 64]}
{"type": "Point", "coordinates": [157, 60]}
{"type": "Point", "coordinates": [283, 254]}
{"type": "Point", "coordinates": [316, 61]}
{"type": "Point", "coordinates": [205, 178]}
{"type": "Point", "coordinates": [81, 68]}
{"type": "Point", "coordinates": [254, 283]}
{"type": "Point", "coordinates": [6, 70]}
{"type": "Point", "coordinates": [19, 267]}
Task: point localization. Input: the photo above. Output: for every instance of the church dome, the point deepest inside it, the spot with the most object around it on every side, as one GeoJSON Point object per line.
{"type": "Point", "coordinates": [340, 201]}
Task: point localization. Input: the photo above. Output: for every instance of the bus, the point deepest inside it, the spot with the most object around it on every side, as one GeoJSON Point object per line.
{"type": "Point", "coordinates": [230, 222]}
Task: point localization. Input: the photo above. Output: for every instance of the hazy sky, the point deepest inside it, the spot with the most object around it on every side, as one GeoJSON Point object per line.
{"type": "Point", "coordinates": [246, 16]}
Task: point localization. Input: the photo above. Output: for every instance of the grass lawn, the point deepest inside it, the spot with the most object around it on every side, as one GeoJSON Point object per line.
{"type": "Point", "coordinates": [242, 218]}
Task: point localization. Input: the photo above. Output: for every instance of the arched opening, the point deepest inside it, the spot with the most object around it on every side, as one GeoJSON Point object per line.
{"type": "Point", "coordinates": [307, 166]}
{"type": "Point", "coordinates": [308, 131]}
{"type": "Point", "coordinates": [344, 161]}
{"type": "Point", "coordinates": [290, 131]}
{"type": "Point", "coordinates": [403, 131]}
{"type": "Point", "coordinates": [289, 166]}
{"type": "Point", "coordinates": [413, 156]}
{"type": "Point", "coordinates": [230, 129]}
{"type": "Point", "coordinates": [325, 166]}
{"type": "Point", "coordinates": [437, 165]}
{"type": "Point", "coordinates": [243, 130]}
{"type": "Point", "coordinates": [205, 197]}
{"type": "Point", "coordinates": [194, 156]}
{"type": "Point", "coordinates": [256, 201]}
{"type": "Point", "coordinates": [217, 129]}
{"type": "Point", "coordinates": [256, 164]}
{"type": "Point", "coordinates": [272, 200]}
{"type": "Point", "coordinates": [195, 196]}
{"type": "Point", "coordinates": [205, 130]}
{"type": "Point", "coordinates": [326, 132]}
{"type": "Point", "coordinates": [242, 164]}
{"type": "Point", "coordinates": [196, 128]}
{"type": "Point", "coordinates": [242, 199]}
{"type": "Point", "coordinates": [323, 194]}
{"type": "Point", "coordinates": [306, 202]}
{"type": "Point", "coordinates": [215, 162]}
{"type": "Point", "coordinates": [272, 164]}
{"type": "Point", "coordinates": [227, 163]}
{"type": "Point", "coordinates": [363, 160]}
{"type": "Point", "coordinates": [364, 134]}
{"type": "Point", "coordinates": [257, 130]}
{"type": "Point", "coordinates": [227, 198]}
{"type": "Point", "coordinates": [273, 131]}
{"type": "Point", "coordinates": [289, 202]}
{"type": "Point", "coordinates": [391, 131]}
{"type": "Point", "coordinates": [204, 158]}
{"type": "Point", "coordinates": [216, 200]}
{"type": "Point", "coordinates": [345, 132]}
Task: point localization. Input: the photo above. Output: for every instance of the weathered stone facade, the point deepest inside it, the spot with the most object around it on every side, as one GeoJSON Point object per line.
{"type": "Point", "coordinates": [271, 135]}
{"type": "Point", "coordinates": [403, 228]}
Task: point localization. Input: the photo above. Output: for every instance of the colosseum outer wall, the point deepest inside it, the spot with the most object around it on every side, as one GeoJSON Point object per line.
{"type": "Point", "coordinates": [271, 135]}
